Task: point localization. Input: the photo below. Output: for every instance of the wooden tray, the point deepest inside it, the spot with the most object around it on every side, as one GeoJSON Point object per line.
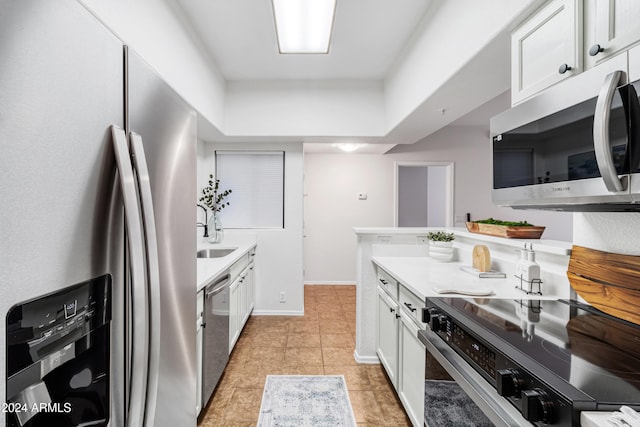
{"type": "Point", "coordinates": [509, 231]}
{"type": "Point", "coordinates": [607, 281]}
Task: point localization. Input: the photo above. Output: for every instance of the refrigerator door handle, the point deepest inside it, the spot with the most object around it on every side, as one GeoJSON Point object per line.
{"type": "Point", "coordinates": [139, 319]}
{"type": "Point", "coordinates": [153, 272]}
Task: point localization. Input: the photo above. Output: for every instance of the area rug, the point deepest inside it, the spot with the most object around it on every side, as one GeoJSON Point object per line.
{"type": "Point", "coordinates": [306, 401]}
{"type": "Point", "coordinates": [447, 405]}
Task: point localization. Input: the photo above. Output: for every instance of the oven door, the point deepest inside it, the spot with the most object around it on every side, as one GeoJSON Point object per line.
{"type": "Point", "coordinates": [567, 149]}
{"type": "Point", "coordinates": [462, 390]}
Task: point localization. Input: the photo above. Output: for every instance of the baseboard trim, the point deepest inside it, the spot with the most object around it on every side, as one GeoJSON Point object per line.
{"type": "Point", "coordinates": [369, 360]}
{"type": "Point", "coordinates": [328, 283]}
{"type": "Point", "coordinates": [277, 313]}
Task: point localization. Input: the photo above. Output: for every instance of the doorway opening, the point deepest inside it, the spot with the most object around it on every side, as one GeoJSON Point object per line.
{"type": "Point", "coordinates": [423, 194]}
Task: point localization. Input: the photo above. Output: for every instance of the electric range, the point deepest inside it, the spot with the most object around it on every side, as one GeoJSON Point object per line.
{"type": "Point", "coordinates": [550, 359]}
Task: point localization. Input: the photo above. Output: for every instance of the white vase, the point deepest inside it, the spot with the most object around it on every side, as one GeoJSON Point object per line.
{"type": "Point", "coordinates": [441, 251]}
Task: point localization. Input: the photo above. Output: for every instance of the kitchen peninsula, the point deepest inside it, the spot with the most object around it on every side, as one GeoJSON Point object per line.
{"type": "Point", "coordinates": [395, 277]}
{"type": "Point", "coordinates": [402, 253]}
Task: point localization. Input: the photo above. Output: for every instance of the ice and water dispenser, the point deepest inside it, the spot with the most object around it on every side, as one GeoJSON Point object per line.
{"type": "Point", "coordinates": [58, 358]}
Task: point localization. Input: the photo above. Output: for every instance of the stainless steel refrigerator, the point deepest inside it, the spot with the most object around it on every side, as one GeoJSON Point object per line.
{"type": "Point", "coordinates": [97, 182]}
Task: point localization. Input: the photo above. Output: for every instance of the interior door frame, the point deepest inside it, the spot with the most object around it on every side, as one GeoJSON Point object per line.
{"type": "Point", "coordinates": [449, 190]}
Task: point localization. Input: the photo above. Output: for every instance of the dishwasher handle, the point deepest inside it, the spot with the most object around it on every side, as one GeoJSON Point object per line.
{"type": "Point", "coordinates": [218, 286]}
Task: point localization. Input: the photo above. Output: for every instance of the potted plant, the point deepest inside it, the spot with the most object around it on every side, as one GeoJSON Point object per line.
{"type": "Point", "coordinates": [214, 201]}
{"type": "Point", "coordinates": [441, 245]}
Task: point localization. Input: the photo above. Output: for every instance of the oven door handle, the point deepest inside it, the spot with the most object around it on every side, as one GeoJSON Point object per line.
{"type": "Point", "coordinates": [601, 143]}
{"type": "Point", "coordinates": [494, 406]}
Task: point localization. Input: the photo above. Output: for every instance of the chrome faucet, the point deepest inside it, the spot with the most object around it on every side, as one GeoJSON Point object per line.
{"type": "Point", "coordinates": [205, 226]}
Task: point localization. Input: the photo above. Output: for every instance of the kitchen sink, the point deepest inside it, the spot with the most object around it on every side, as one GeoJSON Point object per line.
{"type": "Point", "coordinates": [214, 253]}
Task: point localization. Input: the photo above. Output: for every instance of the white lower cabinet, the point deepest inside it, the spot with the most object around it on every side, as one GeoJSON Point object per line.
{"type": "Point", "coordinates": [398, 347]}
{"type": "Point", "coordinates": [242, 296]}
{"type": "Point", "coordinates": [387, 334]}
{"type": "Point", "coordinates": [234, 313]}
{"type": "Point", "coordinates": [412, 370]}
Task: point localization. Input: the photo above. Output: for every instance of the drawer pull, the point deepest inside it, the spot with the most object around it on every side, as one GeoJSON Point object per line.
{"type": "Point", "coordinates": [409, 307]}
{"type": "Point", "coordinates": [384, 282]}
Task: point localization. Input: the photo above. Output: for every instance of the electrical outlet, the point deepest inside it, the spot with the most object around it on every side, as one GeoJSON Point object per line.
{"type": "Point", "coordinates": [283, 297]}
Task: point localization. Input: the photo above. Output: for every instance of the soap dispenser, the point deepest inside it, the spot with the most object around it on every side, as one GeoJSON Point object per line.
{"type": "Point", "coordinates": [531, 267]}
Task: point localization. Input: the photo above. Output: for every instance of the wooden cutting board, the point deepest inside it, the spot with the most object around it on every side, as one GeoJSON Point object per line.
{"type": "Point", "coordinates": [481, 258]}
{"type": "Point", "coordinates": [608, 281]}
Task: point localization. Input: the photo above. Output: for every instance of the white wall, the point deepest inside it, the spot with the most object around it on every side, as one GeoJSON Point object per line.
{"type": "Point", "coordinates": [156, 30]}
{"type": "Point", "coordinates": [609, 232]}
{"type": "Point", "coordinates": [312, 108]}
{"type": "Point", "coordinates": [332, 209]}
{"type": "Point", "coordinates": [279, 259]}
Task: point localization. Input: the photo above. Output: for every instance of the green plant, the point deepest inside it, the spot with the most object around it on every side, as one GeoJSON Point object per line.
{"type": "Point", "coordinates": [440, 236]}
{"type": "Point", "coordinates": [211, 198]}
{"type": "Point", "coordinates": [507, 223]}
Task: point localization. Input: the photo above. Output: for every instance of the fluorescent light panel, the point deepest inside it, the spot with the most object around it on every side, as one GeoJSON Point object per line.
{"type": "Point", "coordinates": [304, 26]}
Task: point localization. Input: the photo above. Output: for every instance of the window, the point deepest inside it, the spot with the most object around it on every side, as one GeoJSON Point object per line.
{"type": "Point", "coordinates": [256, 179]}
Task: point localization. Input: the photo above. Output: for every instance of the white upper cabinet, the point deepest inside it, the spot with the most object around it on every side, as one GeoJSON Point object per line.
{"type": "Point", "coordinates": [611, 26]}
{"type": "Point", "coordinates": [546, 49]}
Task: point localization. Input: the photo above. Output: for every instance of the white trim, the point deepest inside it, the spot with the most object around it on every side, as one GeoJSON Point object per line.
{"type": "Point", "coordinates": [369, 360]}
{"type": "Point", "coordinates": [277, 313]}
{"type": "Point", "coordinates": [450, 187]}
{"type": "Point", "coordinates": [330, 282]}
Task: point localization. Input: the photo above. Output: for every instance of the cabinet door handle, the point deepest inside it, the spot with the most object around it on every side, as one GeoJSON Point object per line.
{"type": "Point", "coordinates": [391, 310]}
{"type": "Point", "coordinates": [397, 316]}
{"type": "Point", "coordinates": [409, 307]}
{"type": "Point", "coordinates": [384, 282]}
{"type": "Point", "coordinates": [564, 68]}
{"type": "Point", "coordinates": [595, 49]}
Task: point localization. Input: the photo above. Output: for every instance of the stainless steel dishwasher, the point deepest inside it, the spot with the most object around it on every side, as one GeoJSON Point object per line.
{"type": "Point", "coordinates": [215, 349]}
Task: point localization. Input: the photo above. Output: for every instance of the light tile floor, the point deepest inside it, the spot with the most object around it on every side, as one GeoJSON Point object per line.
{"type": "Point", "coordinates": [319, 343]}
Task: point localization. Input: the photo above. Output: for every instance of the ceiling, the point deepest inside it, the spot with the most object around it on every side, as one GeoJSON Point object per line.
{"type": "Point", "coordinates": [368, 36]}
{"type": "Point", "coordinates": [383, 44]}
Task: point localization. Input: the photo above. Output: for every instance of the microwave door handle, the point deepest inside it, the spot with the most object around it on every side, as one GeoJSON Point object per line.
{"type": "Point", "coordinates": [601, 143]}
{"type": "Point", "coordinates": [153, 273]}
{"type": "Point", "coordinates": [139, 318]}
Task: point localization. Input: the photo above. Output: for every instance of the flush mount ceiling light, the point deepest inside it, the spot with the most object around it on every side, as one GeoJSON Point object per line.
{"type": "Point", "coordinates": [348, 146]}
{"type": "Point", "coordinates": [304, 26]}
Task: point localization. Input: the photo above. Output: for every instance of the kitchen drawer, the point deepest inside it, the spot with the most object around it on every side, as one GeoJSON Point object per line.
{"type": "Point", "coordinates": [412, 306]}
{"type": "Point", "coordinates": [238, 266]}
{"type": "Point", "coordinates": [388, 283]}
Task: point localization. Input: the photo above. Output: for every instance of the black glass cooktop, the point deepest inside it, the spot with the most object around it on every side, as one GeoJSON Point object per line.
{"type": "Point", "coordinates": [589, 350]}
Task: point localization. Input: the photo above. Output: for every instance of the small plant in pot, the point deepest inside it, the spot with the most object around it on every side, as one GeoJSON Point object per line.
{"type": "Point", "coordinates": [441, 245]}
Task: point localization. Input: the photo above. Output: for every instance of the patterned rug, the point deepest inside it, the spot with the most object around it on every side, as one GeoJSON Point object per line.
{"type": "Point", "coordinates": [447, 405]}
{"type": "Point", "coordinates": [305, 401]}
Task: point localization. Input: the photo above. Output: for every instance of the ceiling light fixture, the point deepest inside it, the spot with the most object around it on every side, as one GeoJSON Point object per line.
{"type": "Point", "coordinates": [348, 146]}
{"type": "Point", "coordinates": [304, 26]}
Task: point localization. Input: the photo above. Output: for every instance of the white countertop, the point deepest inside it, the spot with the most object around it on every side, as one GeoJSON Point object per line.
{"type": "Point", "coordinates": [420, 274]}
{"type": "Point", "coordinates": [209, 269]}
{"type": "Point", "coordinates": [555, 247]}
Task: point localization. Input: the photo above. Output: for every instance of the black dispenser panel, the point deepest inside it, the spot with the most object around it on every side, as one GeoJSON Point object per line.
{"type": "Point", "coordinates": [58, 349]}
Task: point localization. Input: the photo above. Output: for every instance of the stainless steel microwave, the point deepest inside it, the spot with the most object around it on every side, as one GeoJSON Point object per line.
{"type": "Point", "coordinates": [575, 147]}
